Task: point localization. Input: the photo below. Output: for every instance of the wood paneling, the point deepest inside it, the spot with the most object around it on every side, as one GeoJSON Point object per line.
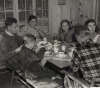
{"type": "Point", "coordinates": [65, 10]}
{"type": "Point", "coordinates": [82, 10]}
{"type": "Point", "coordinates": [54, 16]}
{"type": "Point", "coordinates": [76, 11]}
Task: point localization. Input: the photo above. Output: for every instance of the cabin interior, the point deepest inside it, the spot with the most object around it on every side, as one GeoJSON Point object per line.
{"type": "Point", "coordinates": [49, 14]}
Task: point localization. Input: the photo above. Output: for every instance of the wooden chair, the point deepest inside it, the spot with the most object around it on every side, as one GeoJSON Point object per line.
{"type": "Point", "coordinates": [2, 63]}
{"type": "Point", "coordinates": [71, 81]}
{"type": "Point", "coordinates": [14, 67]}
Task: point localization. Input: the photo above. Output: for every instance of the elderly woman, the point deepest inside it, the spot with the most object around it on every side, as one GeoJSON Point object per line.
{"type": "Point", "coordinates": [91, 24]}
{"type": "Point", "coordinates": [32, 28]}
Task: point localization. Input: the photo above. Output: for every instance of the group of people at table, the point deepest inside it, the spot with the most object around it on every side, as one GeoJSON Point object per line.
{"type": "Point", "coordinates": [23, 48]}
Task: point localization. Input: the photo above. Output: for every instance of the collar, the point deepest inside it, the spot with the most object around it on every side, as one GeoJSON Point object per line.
{"type": "Point", "coordinates": [29, 46]}
{"type": "Point", "coordinates": [8, 33]}
{"type": "Point", "coordinates": [32, 27]}
{"type": "Point", "coordinates": [87, 41]}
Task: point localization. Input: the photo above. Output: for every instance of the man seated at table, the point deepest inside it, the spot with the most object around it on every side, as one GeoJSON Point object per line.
{"type": "Point", "coordinates": [30, 59]}
{"type": "Point", "coordinates": [86, 56]}
{"type": "Point", "coordinates": [10, 45]}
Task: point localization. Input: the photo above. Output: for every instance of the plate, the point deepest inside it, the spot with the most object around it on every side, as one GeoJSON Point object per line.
{"type": "Point", "coordinates": [47, 53]}
{"type": "Point", "coordinates": [47, 45]}
{"type": "Point", "coordinates": [65, 58]}
{"type": "Point", "coordinates": [61, 55]}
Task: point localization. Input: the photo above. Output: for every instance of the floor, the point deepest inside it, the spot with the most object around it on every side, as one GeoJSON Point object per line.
{"type": "Point", "coordinates": [5, 79]}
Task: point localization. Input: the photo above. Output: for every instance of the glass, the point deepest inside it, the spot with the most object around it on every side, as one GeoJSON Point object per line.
{"type": "Point", "coordinates": [55, 37]}
{"type": "Point", "coordinates": [2, 16]}
{"type": "Point", "coordinates": [22, 16]}
{"type": "Point", "coordinates": [9, 14]}
{"type": "Point", "coordinates": [38, 4]}
{"type": "Point", "coordinates": [44, 39]}
{"type": "Point", "coordinates": [39, 14]}
{"type": "Point", "coordinates": [63, 48]}
{"type": "Point", "coordinates": [45, 22]}
{"type": "Point", "coordinates": [56, 50]}
{"type": "Point", "coordinates": [1, 5]}
{"type": "Point", "coordinates": [9, 4]}
{"type": "Point", "coordinates": [45, 4]}
{"type": "Point", "coordinates": [45, 13]}
{"type": "Point", "coordinates": [45, 29]}
{"type": "Point", "coordinates": [28, 13]}
{"type": "Point", "coordinates": [39, 22]}
{"type": "Point", "coordinates": [28, 4]}
{"type": "Point", "coordinates": [21, 4]}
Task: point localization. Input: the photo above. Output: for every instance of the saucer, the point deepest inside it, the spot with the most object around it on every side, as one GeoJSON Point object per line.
{"type": "Point", "coordinates": [47, 53]}
{"type": "Point", "coordinates": [61, 55]}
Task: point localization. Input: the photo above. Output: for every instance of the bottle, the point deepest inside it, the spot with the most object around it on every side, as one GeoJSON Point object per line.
{"type": "Point", "coordinates": [55, 36]}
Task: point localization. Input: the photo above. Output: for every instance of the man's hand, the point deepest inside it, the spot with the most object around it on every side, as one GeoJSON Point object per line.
{"type": "Point", "coordinates": [18, 49]}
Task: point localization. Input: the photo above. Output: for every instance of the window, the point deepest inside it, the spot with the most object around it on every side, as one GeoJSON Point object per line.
{"type": "Point", "coordinates": [6, 10]}
{"type": "Point", "coordinates": [25, 9]}
{"type": "Point", "coordinates": [42, 14]}
{"type": "Point", "coordinates": [22, 9]}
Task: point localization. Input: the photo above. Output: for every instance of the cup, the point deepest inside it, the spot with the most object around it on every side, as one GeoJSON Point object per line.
{"type": "Point", "coordinates": [61, 54]}
{"type": "Point", "coordinates": [45, 40]}
{"type": "Point", "coordinates": [55, 41]}
{"type": "Point", "coordinates": [63, 48]}
{"type": "Point", "coordinates": [56, 50]}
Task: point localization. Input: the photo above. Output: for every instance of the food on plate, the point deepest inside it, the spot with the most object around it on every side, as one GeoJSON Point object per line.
{"type": "Point", "coordinates": [47, 53]}
{"type": "Point", "coordinates": [61, 54]}
{"type": "Point", "coordinates": [47, 45]}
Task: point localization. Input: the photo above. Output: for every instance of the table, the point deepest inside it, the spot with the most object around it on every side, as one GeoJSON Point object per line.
{"type": "Point", "coordinates": [60, 64]}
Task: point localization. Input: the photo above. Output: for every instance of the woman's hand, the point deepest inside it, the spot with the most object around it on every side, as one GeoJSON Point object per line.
{"type": "Point", "coordinates": [18, 49]}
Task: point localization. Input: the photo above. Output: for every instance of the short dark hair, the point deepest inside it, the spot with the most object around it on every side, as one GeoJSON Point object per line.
{"type": "Point", "coordinates": [92, 21]}
{"type": "Point", "coordinates": [30, 36]}
{"type": "Point", "coordinates": [10, 21]}
{"type": "Point", "coordinates": [32, 17]}
{"type": "Point", "coordinates": [81, 29]}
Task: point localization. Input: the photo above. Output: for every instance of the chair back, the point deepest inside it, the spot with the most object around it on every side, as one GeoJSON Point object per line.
{"type": "Point", "coordinates": [71, 81]}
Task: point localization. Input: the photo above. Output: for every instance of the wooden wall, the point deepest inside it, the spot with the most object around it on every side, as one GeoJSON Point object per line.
{"type": "Point", "coordinates": [54, 16]}
{"type": "Point", "coordinates": [76, 11]}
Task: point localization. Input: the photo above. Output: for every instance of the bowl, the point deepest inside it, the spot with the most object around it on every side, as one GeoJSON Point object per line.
{"type": "Point", "coordinates": [61, 54]}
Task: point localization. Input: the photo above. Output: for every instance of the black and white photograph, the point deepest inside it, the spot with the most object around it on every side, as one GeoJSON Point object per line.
{"type": "Point", "coordinates": [49, 43]}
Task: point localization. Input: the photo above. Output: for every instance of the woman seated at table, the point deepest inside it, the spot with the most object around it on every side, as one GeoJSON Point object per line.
{"type": "Point", "coordinates": [32, 28]}
{"type": "Point", "coordinates": [30, 59]}
{"type": "Point", "coordinates": [65, 33]}
{"type": "Point", "coordinates": [91, 24]}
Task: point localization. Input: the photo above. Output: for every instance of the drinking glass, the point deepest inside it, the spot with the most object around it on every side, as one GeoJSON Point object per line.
{"type": "Point", "coordinates": [56, 50]}
{"type": "Point", "coordinates": [63, 47]}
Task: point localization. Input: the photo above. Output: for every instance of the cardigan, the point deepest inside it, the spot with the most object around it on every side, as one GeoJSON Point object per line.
{"type": "Point", "coordinates": [8, 45]}
{"type": "Point", "coordinates": [68, 37]}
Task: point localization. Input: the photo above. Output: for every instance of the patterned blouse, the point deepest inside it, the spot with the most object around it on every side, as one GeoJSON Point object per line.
{"type": "Point", "coordinates": [29, 30]}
